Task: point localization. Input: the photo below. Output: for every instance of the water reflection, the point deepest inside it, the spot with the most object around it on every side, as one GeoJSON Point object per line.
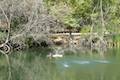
{"type": "Point", "coordinates": [79, 68]}
{"type": "Point", "coordinates": [70, 63]}
{"type": "Point", "coordinates": [81, 62]}
{"type": "Point", "coordinates": [67, 64]}
{"type": "Point", "coordinates": [30, 66]}
{"type": "Point", "coordinates": [102, 61]}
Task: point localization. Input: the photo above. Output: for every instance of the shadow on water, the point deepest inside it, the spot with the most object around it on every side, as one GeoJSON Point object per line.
{"type": "Point", "coordinates": [33, 65]}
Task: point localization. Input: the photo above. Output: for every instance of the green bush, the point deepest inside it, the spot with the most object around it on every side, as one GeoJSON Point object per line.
{"type": "Point", "coordinates": [85, 29]}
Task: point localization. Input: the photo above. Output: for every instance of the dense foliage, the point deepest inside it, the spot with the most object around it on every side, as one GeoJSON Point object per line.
{"type": "Point", "coordinates": [79, 13]}
{"type": "Point", "coordinates": [36, 19]}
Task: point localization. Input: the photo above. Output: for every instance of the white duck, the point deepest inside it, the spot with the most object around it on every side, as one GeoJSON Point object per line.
{"type": "Point", "coordinates": [55, 55]}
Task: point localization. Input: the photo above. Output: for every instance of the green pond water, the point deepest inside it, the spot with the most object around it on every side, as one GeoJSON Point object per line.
{"type": "Point", "coordinates": [31, 65]}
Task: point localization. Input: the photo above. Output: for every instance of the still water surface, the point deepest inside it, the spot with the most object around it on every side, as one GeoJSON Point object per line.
{"type": "Point", "coordinates": [89, 69]}
{"type": "Point", "coordinates": [29, 65]}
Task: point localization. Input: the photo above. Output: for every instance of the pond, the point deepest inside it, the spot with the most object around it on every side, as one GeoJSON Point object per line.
{"type": "Point", "coordinates": [30, 65]}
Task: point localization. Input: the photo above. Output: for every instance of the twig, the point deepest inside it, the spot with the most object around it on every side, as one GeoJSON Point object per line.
{"type": "Point", "coordinates": [8, 22]}
{"type": "Point", "coordinates": [7, 39]}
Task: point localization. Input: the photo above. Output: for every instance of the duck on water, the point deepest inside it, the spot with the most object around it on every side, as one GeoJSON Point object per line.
{"type": "Point", "coordinates": [56, 55]}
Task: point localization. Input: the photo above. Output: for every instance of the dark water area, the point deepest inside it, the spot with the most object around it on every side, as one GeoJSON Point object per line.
{"type": "Point", "coordinates": [31, 65]}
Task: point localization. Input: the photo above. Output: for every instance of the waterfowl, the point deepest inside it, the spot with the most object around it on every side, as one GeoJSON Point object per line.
{"type": "Point", "coordinates": [55, 55]}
